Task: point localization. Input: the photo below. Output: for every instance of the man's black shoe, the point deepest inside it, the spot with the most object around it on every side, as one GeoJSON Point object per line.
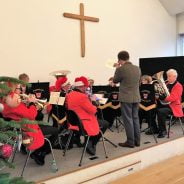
{"type": "Point", "coordinates": [149, 132]}
{"type": "Point", "coordinates": [38, 158]}
{"type": "Point", "coordinates": [91, 150]}
{"type": "Point", "coordinates": [125, 144]}
{"type": "Point", "coordinates": [137, 144]}
{"type": "Point", "coordinates": [162, 134]}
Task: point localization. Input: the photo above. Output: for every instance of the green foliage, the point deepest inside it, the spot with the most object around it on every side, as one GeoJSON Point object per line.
{"type": "Point", "coordinates": [8, 133]}
{"type": "Point", "coordinates": [5, 179]}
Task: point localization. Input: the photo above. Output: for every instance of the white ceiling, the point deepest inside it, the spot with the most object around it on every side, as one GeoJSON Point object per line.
{"type": "Point", "coordinates": [173, 6]}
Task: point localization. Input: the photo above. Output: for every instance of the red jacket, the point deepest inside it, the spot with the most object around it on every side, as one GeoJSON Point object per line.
{"type": "Point", "coordinates": [80, 103]}
{"type": "Point", "coordinates": [21, 111]}
{"type": "Point", "coordinates": [175, 99]}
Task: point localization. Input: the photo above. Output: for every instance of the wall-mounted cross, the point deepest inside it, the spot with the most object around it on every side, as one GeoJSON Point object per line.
{"type": "Point", "coordinates": [82, 18]}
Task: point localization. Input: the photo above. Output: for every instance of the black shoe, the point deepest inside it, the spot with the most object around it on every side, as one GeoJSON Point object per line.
{"type": "Point", "coordinates": [91, 150]}
{"type": "Point", "coordinates": [38, 158]}
{"type": "Point", "coordinates": [79, 144]}
{"type": "Point", "coordinates": [149, 132]}
{"type": "Point", "coordinates": [125, 144]}
{"type": "Point", "coordinates": [137, 144]}
{"type": "Point", "coordinates": [162, 134]}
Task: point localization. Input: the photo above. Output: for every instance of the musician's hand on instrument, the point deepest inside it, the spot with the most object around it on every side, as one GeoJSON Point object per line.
{"type": "Point", "coordinates": [31, 98]}
{"type": "Point", "coordinates": [162, 96]}
{"type": "Point", "coordinates": [116, 65]}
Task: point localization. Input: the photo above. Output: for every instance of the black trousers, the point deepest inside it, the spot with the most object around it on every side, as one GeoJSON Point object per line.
{"type": "Point", "coordinates": [162, 114]}
{"type": "Point", "coordinates": [103, 127]}
{"type": "Point", "coordinates": [150, 117]}
{"type": "Point", "coordinates": [52, 133]}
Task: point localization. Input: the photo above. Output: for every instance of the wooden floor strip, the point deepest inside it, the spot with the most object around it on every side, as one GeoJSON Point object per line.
{"type": "Point", "coordinates": [170, 171]}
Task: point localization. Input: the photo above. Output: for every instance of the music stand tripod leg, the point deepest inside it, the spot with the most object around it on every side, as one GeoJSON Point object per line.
{"type": "Point", "coordinates": [110, 142]}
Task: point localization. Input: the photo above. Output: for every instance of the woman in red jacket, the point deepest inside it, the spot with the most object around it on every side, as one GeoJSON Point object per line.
{"type": "Point", "coordinates": [78, 101]}
{"type": "Point", "coordinates": [174, 107]}
{"type": "Point", "coordinates": [14, 109]}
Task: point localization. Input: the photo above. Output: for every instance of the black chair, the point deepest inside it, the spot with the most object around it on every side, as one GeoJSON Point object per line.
{"type": "Point", "coordinates": [171, 123]}
{"type": "Point", "coordinates": [74, 120]}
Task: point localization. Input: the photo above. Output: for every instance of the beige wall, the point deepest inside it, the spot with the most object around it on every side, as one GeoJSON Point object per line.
{"type": "Point", "coordinates": [35, 38]}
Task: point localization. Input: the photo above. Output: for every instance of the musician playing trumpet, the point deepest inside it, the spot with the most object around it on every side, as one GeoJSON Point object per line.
{"type": "Point", "coordinates": [175, 106]}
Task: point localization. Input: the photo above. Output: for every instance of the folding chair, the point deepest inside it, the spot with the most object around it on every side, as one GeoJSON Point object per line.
{"type": "Point", "coordinates": [74, 120]}
{"type": "Point", "coordinates": [53, 166]}
{"type": "Point", "coordinates": [170, 124]}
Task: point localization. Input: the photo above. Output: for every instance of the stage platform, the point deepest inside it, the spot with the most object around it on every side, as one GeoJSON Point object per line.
{"type": "Point", "coordinates": [120, 161]}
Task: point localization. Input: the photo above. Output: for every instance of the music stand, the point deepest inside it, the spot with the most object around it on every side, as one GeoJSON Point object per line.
{"type": "Point", "coordinates": [42, 86]}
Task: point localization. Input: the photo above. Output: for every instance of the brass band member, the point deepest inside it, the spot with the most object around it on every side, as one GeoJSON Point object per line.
{"type": "Point", "coordinates": [78, 101]}
{"type": "Point", "coordinates": [175, 106]}
{"type": "Point", "coordinates": [147, 105]}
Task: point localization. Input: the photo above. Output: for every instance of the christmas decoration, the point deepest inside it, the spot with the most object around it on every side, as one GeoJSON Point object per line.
{"type": "Point", "coordinates": [6, 151]}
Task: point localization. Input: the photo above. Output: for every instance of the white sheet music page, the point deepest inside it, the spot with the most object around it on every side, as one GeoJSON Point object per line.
{"type": "Point", "coordinates": [54, 98]}
{"type": "Point", "coordinates": [61, 100]}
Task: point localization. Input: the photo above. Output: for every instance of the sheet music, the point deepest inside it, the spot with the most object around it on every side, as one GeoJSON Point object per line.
{"type": "Point", "coordinates": [103, 100]}
{"type": "Point", "coordinates": [61, 100]}
{"type": "Point", "coordinates": [56, 99]}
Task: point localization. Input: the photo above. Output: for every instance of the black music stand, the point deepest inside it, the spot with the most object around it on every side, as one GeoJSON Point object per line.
{"type": "Point", "coordinates": [42, 86]}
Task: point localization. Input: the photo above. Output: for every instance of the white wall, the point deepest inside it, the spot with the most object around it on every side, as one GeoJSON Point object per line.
{"type": "Point", "coordinates": [180, 23]}
{"type": "Point", "coordinates": [35, 37]}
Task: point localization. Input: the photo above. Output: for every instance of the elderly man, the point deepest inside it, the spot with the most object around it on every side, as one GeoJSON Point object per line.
{"type": "Point", "coordinates": [174, 106]}
{"type": "Point", "coordinates": [79, 102]}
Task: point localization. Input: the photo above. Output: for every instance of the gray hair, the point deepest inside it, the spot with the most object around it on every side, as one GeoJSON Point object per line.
{"type": "Point", "coordinates": [172, 71]}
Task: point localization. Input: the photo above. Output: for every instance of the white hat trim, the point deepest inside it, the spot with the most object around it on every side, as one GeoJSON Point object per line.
{"type": "Point", "coordinates": [79, 83]}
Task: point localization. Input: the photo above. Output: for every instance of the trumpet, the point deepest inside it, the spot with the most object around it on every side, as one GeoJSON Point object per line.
{"type": "Point", "coordinates": [38, 102]}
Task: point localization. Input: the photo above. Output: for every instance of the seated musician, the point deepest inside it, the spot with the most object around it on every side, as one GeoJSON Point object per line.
{"type": "Point", "coordinates": [147, 105]}
{"type": "Point", "coordinates": [111, 83]}
{"type": "Point", "coordinates": [15, 109]}
{"type": "Point", "coordinates": [109, 114]}
{"type": "Point", "coordinates": [174, 105]}
{"type": "Point", "coordinates": [24, 77]}
{"type": "Point", "coordinates": [63, 86]}
{"type": "Point", "coordinates": [78, 101]}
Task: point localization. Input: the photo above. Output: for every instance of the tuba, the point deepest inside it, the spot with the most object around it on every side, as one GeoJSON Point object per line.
{"type": "Point", "coordinates": [160, 86]}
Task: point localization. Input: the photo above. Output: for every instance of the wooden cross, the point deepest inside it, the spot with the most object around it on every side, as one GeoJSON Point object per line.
{"type": "Point", "coordinates": [82, 18]}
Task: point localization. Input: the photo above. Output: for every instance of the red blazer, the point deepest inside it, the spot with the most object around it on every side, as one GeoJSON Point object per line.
{"type": "Point", "coordinates": [80, 103]}
{"type": "Point", "coordinates": [175, 99]}
{"type": "Point", "coordinates": [21, 111]}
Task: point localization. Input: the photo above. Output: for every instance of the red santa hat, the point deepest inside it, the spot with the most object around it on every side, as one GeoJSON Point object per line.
{"type": "Point", "coordinates": [81, 81]}
{"type": "Point", "coordinates": [62, 81]}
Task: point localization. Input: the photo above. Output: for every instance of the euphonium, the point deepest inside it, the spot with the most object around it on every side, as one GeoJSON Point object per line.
{"type": "Point", "coordinates": [160, 86]}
